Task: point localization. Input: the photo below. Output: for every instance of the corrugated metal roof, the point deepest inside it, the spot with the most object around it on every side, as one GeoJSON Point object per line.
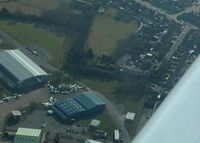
{"type": "Point", "coordinates": [130, 116]}
{"type": "Point", "coordinates": [29, 132]}
{"type": "Point", "coordinates": [19, 65]}
{"type": "Point", "coordinates": [88, 100]}
{"type": "Point", "coordinates": [69, 106]}
{"type": "Point", "coordinates": [95, 123]}
{"type": "Point", "coordinates": [91, 141]}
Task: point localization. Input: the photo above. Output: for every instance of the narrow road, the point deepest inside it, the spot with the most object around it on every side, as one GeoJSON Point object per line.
{"type": "Point", "coordinates": [176, 44]}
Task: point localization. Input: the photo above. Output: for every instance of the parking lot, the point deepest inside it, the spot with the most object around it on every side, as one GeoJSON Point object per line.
{"type": "Point", "coordinates": [36, 96]}
{"type": "Point", "coordinates": [38, 117]}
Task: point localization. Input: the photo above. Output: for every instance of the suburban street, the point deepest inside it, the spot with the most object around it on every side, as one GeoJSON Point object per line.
{"type": "Point", "coordinates": [182, 35]}
{"type": "Point", "coordinates": [176, 44]}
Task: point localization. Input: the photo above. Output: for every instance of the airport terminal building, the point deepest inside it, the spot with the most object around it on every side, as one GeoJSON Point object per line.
{"type": "Point", "coordinates": [82, 104]}
{"type": "Point", "coordinates": [19, 72]}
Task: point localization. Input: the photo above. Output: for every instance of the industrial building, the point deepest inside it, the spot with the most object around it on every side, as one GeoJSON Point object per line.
{"type": "Point", "coordinates": [79, 105]}
{"type": "Point", "coordinates": [28, 135]}
{"type": "Point", "coordinates": [18, 71]}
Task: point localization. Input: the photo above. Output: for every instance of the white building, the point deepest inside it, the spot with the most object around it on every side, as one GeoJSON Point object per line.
{"type": "Point", "coordinates": [91, 141]}
{"type": "Point", "coordinates": [116, 137]}
{"type": "Point", "coordinates": [28, 135]}
{"type": "Point", "coordinates": [95, 124]}
{"type": "Point", "coordinates": [129, 117]}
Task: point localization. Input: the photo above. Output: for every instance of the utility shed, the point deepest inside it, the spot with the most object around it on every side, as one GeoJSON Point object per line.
{"type": "Point", "coordinates": [16, 114]}
{"type": "Point", "coordinates": [129, 117]}
{"type": "Point", "coordinates": [94, 124]}
{"type": "Point", "coordinates": [18, 71]}
{"type": "Point", "coordinates": [91, 141]}
{"type": "Point", "coordinates": [28, 135]}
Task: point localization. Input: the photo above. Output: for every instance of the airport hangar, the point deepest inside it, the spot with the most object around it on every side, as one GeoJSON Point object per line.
{"type": "Point", "coordinates": [19, 72]}
{"type": "Point", "coordinates": [80, 105]}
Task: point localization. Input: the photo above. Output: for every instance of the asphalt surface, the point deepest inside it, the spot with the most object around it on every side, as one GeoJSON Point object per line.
{"type": "Point", "coordinates": [36, 96]}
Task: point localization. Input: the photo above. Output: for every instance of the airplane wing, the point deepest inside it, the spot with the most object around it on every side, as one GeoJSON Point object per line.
{"type": "Point", "coordinates": [177, 120]}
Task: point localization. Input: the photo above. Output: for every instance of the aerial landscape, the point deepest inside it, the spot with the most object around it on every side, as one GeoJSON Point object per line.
{"type": "Point", "coordinates": [90, 71]}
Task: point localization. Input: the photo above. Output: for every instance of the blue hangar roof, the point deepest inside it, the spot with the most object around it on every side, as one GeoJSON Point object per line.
{"type": "Point", "coordinates": [78, 105]}
{"type": "Point", "coordinates": [88, 100]}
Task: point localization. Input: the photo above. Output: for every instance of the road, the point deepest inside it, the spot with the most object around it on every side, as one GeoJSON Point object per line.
{"type": "Point", "coordinates": [170, 16]}
{"type": "Point", "coordinates": [193, 8]}
{"type": "Point", "coordinates": [112, 110]}
{"type": "Point", "coordinates": [182, 35]}
{"type": "Point", "coordinates": [176, 44]}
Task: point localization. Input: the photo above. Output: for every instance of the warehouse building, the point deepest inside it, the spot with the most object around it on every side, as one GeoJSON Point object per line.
{"type": "Point", "coordinates": [77, 106]}
{"type": "Point", "coordinates": [18, 71]}
{"type": "Point", "coordinates": [28, 135]}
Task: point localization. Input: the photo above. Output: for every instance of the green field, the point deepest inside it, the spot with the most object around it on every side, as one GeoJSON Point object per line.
{"type": "Point", "coordinates": [31, 6]}
{"type": "Point", "coordinates": [105, 32]}
{"type": "Point", "coordinates": [29, 34]}
{"type": "Point", "coordinates": [107, 88]}
{"type": "Point", "coordinates": [4, 91]}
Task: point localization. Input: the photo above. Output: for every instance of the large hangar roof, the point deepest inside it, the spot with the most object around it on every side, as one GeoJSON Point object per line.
{"type": "Point", "coordinates": [89, 100]}
{"type": "Point", "coordinates": [19, 65]}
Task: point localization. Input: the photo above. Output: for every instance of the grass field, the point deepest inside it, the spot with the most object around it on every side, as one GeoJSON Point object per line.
{"type": "Point", "coordinates": [31, 6]}
{"type": "Point", "coordinates": [29, 34]}
{"type": "Point", "coordinates": [105, 32]}
{"type": "Point", "coordinates": [107, 88]}
{"type": "Point", "coordinates": [4, 91]}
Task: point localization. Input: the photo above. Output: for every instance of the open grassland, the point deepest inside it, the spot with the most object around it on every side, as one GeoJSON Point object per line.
{"type": "Point", "coordinates": [107, 88]}
{"type": "Point", "coordinates": [111, 12]}
{"type": "Point", "coordinates": [31, 6]}
{"type": "Point", "coordinates": [26, 33]}
{"type": "Point", "coordinates": [3, 44]}
{"type": "Point", "coordinates": [4, 91]}
{"type": "Point", "coordinates": [105, 32]}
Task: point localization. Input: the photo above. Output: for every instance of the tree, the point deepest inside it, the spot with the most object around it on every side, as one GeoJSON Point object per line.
{"type": "Point", "coordinates": [90, 54]}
